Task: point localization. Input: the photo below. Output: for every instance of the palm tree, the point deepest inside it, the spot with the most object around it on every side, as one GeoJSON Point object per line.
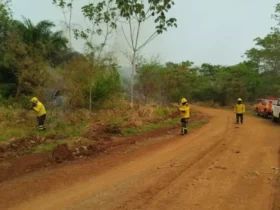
{"type": "Point", "coordinates": [40, 37]}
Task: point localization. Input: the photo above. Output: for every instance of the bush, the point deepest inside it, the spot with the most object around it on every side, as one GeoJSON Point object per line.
{"type": "Point", "coordinates": [208, 94]}
{"type": "Point", "coordinates": [6, 89]}
{"type": "Point", "coordinates": [163, 111]}
{"type": "Point", "coordinates": [22, 102]}
{"type": "Point", "coordinates": [106, 84]}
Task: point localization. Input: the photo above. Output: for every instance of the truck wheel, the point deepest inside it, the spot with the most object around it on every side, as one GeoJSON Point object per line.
{"type": "Point", "coordinates": [264, 114]}
{"type": "Point", "coordinates": [273, 119]}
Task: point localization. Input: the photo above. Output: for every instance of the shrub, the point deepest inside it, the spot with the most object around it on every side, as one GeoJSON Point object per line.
{"type": "Point", "coordinates": [6, 89]}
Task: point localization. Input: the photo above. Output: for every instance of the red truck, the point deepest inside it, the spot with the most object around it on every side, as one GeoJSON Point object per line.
{"type": "Point", "coordinates": [264, 106]}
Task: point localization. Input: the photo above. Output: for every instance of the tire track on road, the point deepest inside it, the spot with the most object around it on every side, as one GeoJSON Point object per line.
{"type": "Point", "coordinates": [197, 164]}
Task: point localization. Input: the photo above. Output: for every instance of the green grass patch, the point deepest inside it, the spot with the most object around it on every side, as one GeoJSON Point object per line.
{"type": "Point", "coordinates": [164, 111]}
{"type": "Point", "coordinates": [14, 132]}
{"type": "Point", "coordinates": [150, 127]}
{"type": "Point", "coordinates": [45, 148]}
{"type": "Point", "coordinates": [2, 138]}
{"type": "Point", "coordinates": [250, 112]}
{"type": "Point", "coordinates": [130, 131]}
{"type": "Point", "coordinates": [197, 124]}
{"type": "Point", "coordinates": [21, 130]}
{"type": "Point", "coordinates": [164, 124]}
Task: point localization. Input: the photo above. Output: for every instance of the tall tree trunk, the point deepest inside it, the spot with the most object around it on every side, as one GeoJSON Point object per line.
{"type": "Point", "coordinates": [133, 66]}
{"type": "Point", "coordinates": [18, 91]}
{"type": "Point", "coordinates": [90, 99]}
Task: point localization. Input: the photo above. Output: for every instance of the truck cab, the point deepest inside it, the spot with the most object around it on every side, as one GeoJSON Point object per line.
{"type": "Point", "coordinates": [276, 111]}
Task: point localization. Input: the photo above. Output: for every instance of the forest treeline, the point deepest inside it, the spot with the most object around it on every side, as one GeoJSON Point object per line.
{"type": "Point", "coordinates": [36, 59]}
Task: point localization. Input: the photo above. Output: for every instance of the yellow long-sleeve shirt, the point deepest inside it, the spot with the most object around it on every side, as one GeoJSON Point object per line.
{"type": "Point", "coordinates": [185, 111]}
{"type": "Point", "coordinates": [40, 109]}
{"type": "Point", "coordinates": [239, 109]}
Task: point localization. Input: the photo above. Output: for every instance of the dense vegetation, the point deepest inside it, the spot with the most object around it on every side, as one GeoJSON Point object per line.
{"type": "Point", "coordinates": [37, 60]}
{"type": "Point", "coordinates": [257, 76]}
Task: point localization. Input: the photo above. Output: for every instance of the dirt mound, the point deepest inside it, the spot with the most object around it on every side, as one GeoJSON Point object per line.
{"type": "Point", "coordinates": [112, 129]}
{"type": "Point", "coordinates": [89, 150]}
{"type": "Point", "coordinates": [18, 146]}
{"type": "Point", "coordinates": [100, 131]}
{"type": "Point", "coordinates": [135, 123]}
{"type": "Point", "coordinates": [62, 152]}
{"type": "Point", "coordinates": [56, 136]}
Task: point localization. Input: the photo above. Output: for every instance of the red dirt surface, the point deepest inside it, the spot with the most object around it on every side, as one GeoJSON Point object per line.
{"type": "Point", "coordinates": [26, 164]}
{"type": "Point", "coordinates": [32, 162]}
{"type": "Point", "coordinates": [219, 166]}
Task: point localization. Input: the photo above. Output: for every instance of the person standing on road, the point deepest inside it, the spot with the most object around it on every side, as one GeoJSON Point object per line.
{"type": "Point", "coordinates": [239, 110]}
{"type": "Point", "coordinates": [185, 115]}
{"type": "Point", "coordinates": [41, 113]}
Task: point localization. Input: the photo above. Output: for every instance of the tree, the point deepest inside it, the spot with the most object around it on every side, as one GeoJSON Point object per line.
{"type": "Point", "coordinates": [238, 81]}
{"type": "Point", "coordinates": [7, 78]}
{"type": "Point", "coordinates": [148, 80]}
{"type": "Point", "coordinates": [266, 56]}
{"type": "Point", "coordinates": [40, 36]}
{"type": "Point", "coordinates": [210, 71]}
{"type": "Point", "coordinates": [29, 49]}
{"type": "Point", "coordinates": [96, 16]}
{"type": "Point", "coordinates": [26, 63]}
{"type": "Point", "coordinates": [180, 80]}
{"type": "Point", "coordinates": [137, 12]}
{"type": "Point", "coordinates": [5, 21]}
{"type": "Point", "coordinates": [76, 74]}
{"type": "Point", "coordinates": [255, 57]}
{"type": "Point", "coordinates": [67, 11]}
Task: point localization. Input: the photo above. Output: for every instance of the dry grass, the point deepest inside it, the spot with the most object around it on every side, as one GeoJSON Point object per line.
{"type": "Point", "coordinates": [16, 123]}
{"type": "Point", "coordinates": [71, 127]}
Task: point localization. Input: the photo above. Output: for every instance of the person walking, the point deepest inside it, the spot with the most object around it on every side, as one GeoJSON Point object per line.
{"type": "Point", "coordinates": [185, 115]}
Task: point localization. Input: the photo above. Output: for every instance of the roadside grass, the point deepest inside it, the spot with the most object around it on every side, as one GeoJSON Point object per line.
{"type": "Point", "coordinates": [3, 139]}
{"type": "Point", "coordinates": [71, 130]}
{"type": "Point", "coordinates": [23, 130]}
{"type": "Point", "coordinates": [65, 129]}
{"type": "Point", "coordinates": [50, 144]}
{"type": "Point", "coordinates": [14, 132]}
{"type": "Point", "coordinates": [251, 112]}
{"type": "Point", "coordinates": [45, 147]}
{"type": "Point", "coordinates": [197, 124]}
{"type": "Point", "coordinates": [164, 124]}
{"type": "Point", "coordinates": [150, 127]}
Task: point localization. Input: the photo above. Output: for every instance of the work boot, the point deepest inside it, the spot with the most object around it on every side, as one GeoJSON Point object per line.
{"type": "Point", "coordinates": [182, 132]}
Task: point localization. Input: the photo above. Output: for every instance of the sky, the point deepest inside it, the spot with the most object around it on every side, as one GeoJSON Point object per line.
{"type": "Point", "coordinates": [209, 31]}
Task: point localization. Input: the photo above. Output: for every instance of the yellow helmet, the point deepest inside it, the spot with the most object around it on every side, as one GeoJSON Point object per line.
{"type": "Point", "coordinates": [239, 99]}
{"type": "Point", "coordinates": [183, 100]}
{"type": "Point", "coordinates": [34, 100]}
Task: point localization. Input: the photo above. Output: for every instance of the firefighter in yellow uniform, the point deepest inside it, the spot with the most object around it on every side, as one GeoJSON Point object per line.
{"type": "Point", "coordinates": [239, 110]}
{"type": "Point", "coordinates": [185, 115]}
{"type": "Point", "coordinates": [41, 113]}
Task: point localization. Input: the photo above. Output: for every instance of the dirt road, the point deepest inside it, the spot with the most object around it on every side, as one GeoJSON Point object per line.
{"type": "Point", "coordinates": [219, 166]}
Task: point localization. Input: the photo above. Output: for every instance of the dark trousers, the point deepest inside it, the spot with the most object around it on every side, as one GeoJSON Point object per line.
{"type": "Point", "coordinates": [41, 122]}
{"type": "Point", "coordinates": [239, 116]}
{"type": "Point", "coordinates": [184, 122]}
